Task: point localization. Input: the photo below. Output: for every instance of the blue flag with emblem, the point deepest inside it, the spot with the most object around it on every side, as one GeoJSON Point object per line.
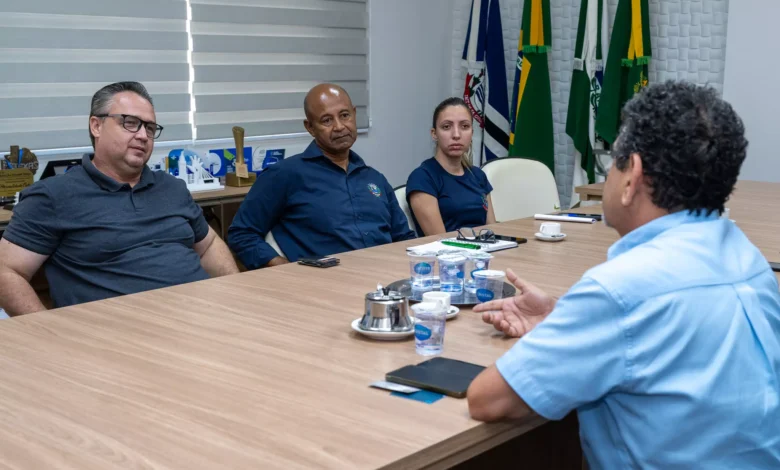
{"type": "Point", "coordinates": [485, 91]}
{"type": "Point", "coordinates": [516, 90]}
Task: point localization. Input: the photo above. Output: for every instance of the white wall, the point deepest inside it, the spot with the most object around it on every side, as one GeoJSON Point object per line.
{"type": "Point", "coordinates": [751, 71]}
{"type": "Point", "coordinates": [410, 73]}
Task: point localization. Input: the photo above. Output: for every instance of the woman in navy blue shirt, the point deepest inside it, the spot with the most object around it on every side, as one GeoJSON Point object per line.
{"type": "Point", "coordinates": [446, 193]}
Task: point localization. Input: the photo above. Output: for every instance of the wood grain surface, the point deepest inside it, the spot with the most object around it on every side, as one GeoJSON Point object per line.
{"type": "Point", "coordinates": [262, 370]}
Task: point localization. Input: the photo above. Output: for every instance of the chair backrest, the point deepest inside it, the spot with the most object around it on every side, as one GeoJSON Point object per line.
{"type": "Point", "coordinates": [271, 241]}
{"type": "Point", "coordinates": [400, 194]}
{"type": "Point", "coordinates": [521, 188]}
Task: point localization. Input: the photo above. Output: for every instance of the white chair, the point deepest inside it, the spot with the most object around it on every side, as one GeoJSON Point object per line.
{"type": "Point", "coordinates": [400, 194]}
{"type": "Point", "coordinates": [271, 241]}
{"type": "Point", "coordinates": [521, 188]}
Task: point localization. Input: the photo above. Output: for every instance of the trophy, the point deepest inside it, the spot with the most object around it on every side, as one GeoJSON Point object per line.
{"type": "Point", "coordinates": [17, 172]}
{"type": "Point", "coordinates": [242, 177]}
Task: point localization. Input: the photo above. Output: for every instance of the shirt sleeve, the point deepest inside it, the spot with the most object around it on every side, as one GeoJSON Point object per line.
{"type": "Point", "coordinates": [34, 225]}
{"type": "Point", "coordinates": [574, 357]}
{"type": "Point", "coordinates": [421, 180]}
{"type": "Point", "coordinates": [261, 210]}
{"type": "Point", "coordinates": [399, 223]}
{"type": "Point", "coordinates": [483, 179]}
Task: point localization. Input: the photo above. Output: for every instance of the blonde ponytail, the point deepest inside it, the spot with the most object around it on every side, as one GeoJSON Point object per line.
{"type": "Point", "coordinates": [465, 159]}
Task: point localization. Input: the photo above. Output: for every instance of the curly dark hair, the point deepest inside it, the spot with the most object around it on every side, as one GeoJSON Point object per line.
{"type": "Point", "coordinates": [691, 143]}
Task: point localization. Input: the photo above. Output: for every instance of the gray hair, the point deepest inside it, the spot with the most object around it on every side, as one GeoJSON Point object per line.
{"type": "Point", "coordinates": [104, 98]}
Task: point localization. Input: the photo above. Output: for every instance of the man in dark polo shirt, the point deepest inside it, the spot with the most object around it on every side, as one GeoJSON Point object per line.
{"type": "Point", "coordinates": [112, 226]}
{"type": "Point", "coordinates": [323, 201]}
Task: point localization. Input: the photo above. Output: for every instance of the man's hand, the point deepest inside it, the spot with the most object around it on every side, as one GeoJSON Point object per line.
{"type": "Point", "coordinates": [517, 315]}
{"type": "Point", "coordinates": [278, 261]}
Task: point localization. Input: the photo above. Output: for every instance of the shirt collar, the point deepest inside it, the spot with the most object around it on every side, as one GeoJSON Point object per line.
{"type": "Point", "coordinates": [654, 228]}
{"type": "Point", "coordinates": [108, 183]}
{"type": "Point", "coordinates": [314, 151]}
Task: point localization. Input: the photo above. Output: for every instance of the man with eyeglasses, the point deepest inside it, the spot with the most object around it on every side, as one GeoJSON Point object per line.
{"type": "Point", "coordinates": [111, 226]}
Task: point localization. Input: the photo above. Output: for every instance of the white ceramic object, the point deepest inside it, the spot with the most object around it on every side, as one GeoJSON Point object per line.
{"type": "Point", "coordinates": [547, 238]}
{"type": "Point", "coordinates": [550, 228]}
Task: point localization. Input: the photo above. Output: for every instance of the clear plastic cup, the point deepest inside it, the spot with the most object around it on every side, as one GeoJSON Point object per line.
{"type": "Point", "coordinates": [430, 320]}
{"type": "Point", "coordinates": [421, 269]}
{"type": "Point", "coordinates": [436, 296]}
{"type": "Point", "coordinates": [452, 270]}
{"type": "Point", "coordinates": [478, 260]}
{"type": "Point", "coordinates": [489, 285]}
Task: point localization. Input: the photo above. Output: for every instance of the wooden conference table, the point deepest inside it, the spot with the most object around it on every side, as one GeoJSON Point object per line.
{"type": "Point", "coordinates": [262, 370]}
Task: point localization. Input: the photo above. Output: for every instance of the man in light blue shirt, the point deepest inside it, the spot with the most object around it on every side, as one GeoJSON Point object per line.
{"type": "Point", "coordinates": [670, 351]}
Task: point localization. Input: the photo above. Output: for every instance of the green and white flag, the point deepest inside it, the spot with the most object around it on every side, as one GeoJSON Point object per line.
{"type": "Point", "coordinates": [627, 64]}
{"type": "Point", "coordinates": [586, 82]}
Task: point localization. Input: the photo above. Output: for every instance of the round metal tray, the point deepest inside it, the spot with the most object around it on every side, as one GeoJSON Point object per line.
{"type": "Point", "coordinates": [404, 287]}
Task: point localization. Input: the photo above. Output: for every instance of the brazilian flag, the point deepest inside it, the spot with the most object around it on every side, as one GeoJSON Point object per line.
{"type": "Point", "coordinates": [532, 134]}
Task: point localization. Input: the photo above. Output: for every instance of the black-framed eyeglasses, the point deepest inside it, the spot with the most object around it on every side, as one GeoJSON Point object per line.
{"type": "Point", "coordinates": [134, 124]}
{"type": "Point", "coordinates": [485, 235]}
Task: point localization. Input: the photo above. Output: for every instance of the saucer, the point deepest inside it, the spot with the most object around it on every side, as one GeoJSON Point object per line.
{"type": "Point", "coordinates": [549, 238]}
{"type": "Point", "coordinates": [452, 312]}
{"type": "Point", "coordinates": [382, 335]}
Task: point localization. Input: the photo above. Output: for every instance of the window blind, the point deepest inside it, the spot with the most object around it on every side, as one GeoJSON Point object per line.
{"type": "Point", "coordinates": [254, 61]}
{"type": "Point", "coordinates": [55, 54]}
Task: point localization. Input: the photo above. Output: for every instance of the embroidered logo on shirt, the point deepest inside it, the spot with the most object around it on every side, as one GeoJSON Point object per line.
{"type": "Point", "coordinates": [484, 202]}
{"type": "Point", "coordinates": [375, 190]}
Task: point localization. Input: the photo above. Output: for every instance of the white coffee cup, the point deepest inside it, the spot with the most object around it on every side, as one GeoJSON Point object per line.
{"type": "Point", "coordinates": [434, 296]}
{"type": "Point", "coordinates": [551, 229]}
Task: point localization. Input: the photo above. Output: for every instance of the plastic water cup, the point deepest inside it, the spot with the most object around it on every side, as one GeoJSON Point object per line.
{"type": "Point", "coordinates": [489, 285]}
{"type": "Point", "coordinates": [421, 268]}
{"type": "Point", "coordinates": [430, 320]}
{"type": "Point", "coordinates": [478, 260]}
{"type": "Point", "coordinates": [452, 270]}
{"type": "Point", "coordinates": [436, 296]}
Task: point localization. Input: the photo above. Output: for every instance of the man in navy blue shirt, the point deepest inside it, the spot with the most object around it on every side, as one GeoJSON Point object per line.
{"type": "Point", "coordinates": [321, 202]}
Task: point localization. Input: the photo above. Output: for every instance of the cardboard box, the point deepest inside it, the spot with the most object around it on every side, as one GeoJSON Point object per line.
{"type": "Point", "coordinates": [220, 162]}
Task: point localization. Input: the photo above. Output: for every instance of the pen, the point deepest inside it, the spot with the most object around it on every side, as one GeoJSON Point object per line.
{"type": "Point", "coordinates": [589, 216]}
{"type": "Point", "coordinates": [462, 245]}
{"type": "Point", "coordinates": [510, 239]}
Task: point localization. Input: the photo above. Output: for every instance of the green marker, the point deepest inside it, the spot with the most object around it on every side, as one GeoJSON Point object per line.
{"type": "Point", "coordinates": [462, 245]}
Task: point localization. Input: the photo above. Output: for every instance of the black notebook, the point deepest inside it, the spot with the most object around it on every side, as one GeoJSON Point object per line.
{"type": "Point", "coordinates": [441, 375]}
